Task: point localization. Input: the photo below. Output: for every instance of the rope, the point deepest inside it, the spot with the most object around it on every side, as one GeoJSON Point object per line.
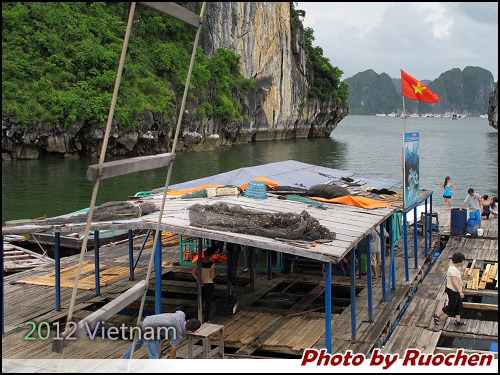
{"type": "Point", "coordinates": [96, 184]}
{"type": "Point", "coordinates": [174, 145]}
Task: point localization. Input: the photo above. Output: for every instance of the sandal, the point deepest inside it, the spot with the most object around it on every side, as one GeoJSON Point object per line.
{"type": "Point", "coordinates": [436, 319]}
{"type": "Point", "coordinates": [460, 323]}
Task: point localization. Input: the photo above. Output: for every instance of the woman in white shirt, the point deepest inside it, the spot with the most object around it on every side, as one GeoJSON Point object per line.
{"type": "Point", "coordinates": [454, 291]}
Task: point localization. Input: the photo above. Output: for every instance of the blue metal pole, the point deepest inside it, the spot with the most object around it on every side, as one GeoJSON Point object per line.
{"type": "Point", "coordinates": [353, 296]}
{"type": "Point", "coordinates": [405, 235]}
{"type": "Point", "coordinates": [382, 246]}
{"type": "Point", "coordinates": [57, 241]}
{"type": "Point", "coordinates": [142, 248]}
{"type": "Point", "coordinates": [369, 278]}
{"type": "Point", "coordinates": [269, 266]}
{"type": "Point", "coordinates": [328, 308]}
{"type": "Point", "coordinates": [96, 262]}
{"type": "Point", "coordinates": [391, 241]}
{"type": "Point", "coordinates": [3, 331]}
{"type": "Point", "coordinates": [131, 254]}
{"type": "Point", "coordinates": [158, 276]}
{"type": "Point", "coordinates": [426, 226]}
{"type": "Point", "coordinates": [228, 270]}
{"type": "Point", "coordinates": [415, 239]}
{"type": "Point", "coordinates": [430, 234]}
{"type": "Point", "coordinates": [393, 262]}
{"type": "Point", "coordinates": [360, 261]}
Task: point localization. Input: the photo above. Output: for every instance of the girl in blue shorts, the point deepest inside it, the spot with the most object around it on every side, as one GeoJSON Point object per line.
{"type": "Point", "coordinates": [446, 187]}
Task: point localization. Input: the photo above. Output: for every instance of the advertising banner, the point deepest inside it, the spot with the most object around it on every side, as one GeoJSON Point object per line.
{"type": "Point", "coordinates": [411, 177]}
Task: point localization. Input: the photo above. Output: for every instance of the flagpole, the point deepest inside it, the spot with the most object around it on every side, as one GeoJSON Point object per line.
{"type": "Point", "coordinates": [403, 154]}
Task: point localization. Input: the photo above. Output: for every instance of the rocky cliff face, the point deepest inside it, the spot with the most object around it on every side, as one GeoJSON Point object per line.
{"type": "Point", "coordinates": [493, 108]}
{"type": "Point", "coordinates": [258, 31]}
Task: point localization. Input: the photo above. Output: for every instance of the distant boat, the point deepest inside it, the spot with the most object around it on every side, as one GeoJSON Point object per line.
{"type": "Point", "coordinates": [483, 116]}
{"type": "Point", "coordinates": [391, 114]}
{"type": "Point", "coordinates": [414, 115]}
{"type": "Point", "coordinates": [404, 116]}
{"type": "Point", "coordinates": [381, 114]}
{"type": "Point", "coordinates": [454, 117]}
{"type": "Point", "coordinates": [438, 116]}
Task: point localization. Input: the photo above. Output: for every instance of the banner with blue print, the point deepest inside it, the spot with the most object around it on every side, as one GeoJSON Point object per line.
{"type": "Point", "coordinates": [411, 178]}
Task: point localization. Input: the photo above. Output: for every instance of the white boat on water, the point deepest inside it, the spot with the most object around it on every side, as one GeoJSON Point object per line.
{"type": "Point", "coordinates": [483, 116]}
{"type": "Point", "coordinates": [438, 116]}
{"type": "Point", "coordinates": [381, 114]}
{"type": "Point", "coordinates": [414, 115]}
{"type": "Point", "coordinates": [391, 114]}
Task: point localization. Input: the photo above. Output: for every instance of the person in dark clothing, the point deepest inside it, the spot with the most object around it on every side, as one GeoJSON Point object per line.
{"type": "Point", "coordinates": [207, 281]}
{"type": "Point", "coordinates": [485, 207]}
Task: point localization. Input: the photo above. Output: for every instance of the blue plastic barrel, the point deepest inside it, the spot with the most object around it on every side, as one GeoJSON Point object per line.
{"type": "Point", "coordinates": [458, 221]}
{"type": "Point", "coordinates": [472, 226]}
{"type": "Point", "coordinates": [494, 347]}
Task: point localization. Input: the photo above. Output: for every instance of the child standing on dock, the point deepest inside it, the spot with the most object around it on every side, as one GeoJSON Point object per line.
{"type": "Point", "coordinates": [454, 291]}
{"type": "Point", "coordinates": [207, 281]}
{"type": "Point", "coordinates": [446, 187]}
{"type": "Point", "coordinates": [485, 207]}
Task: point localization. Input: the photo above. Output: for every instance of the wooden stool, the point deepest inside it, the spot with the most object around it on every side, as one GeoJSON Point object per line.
{"type": "Point", "coordinates": [204, 334]}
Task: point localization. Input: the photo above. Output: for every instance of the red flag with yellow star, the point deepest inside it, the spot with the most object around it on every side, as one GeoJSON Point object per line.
{"type": "Point", "coordinates": [416, 90]}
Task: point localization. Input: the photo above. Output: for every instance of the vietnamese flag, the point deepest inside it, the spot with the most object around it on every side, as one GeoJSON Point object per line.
{"type": "Point", "coordinates": [416, 90]}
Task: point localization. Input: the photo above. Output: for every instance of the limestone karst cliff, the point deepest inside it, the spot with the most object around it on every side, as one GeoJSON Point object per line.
{"type": "Point", "coordinates": [273, 56]}
{"type": "Point", "coordinates": [493, 108]}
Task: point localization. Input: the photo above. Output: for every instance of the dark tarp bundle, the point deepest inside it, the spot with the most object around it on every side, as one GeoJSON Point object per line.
{"type": "Point", "coordinates": [234, 218]}
{"type": "Point", "coordinates": [326, 191]}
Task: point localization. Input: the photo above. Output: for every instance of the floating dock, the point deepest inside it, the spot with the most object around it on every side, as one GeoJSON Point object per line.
{"type": "Point", "coordinates": [261, 327]}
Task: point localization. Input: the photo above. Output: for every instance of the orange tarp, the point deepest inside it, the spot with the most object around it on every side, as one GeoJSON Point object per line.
{"type": "Point", "coordinates": [185, 191]}
{"type": "Point", "coordinates": [267, 181]}
{"type": "Point", "coordinates": [362, 202]}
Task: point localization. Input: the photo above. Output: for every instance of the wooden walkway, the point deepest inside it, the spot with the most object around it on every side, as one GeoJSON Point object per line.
{"type": "Point", "coordinates": [481, 254]}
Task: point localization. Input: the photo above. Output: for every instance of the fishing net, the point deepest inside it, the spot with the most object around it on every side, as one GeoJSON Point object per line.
{"type": "Point", "coordinates": [311, 202]}
{"type": "Point", "coordinates": [197, 194]}
{"type": "Point", "coordinates": [111, 211]}
{"type": "Point", "coordinates": [234, 218]}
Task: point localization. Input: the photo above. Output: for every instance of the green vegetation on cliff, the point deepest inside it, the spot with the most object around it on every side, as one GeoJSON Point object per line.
{"type": "Point", "coordinates": [326, 82]}
{"type": "Point", "coordinates": [59, 63]}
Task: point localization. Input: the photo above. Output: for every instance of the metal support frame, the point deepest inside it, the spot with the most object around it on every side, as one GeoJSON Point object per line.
{"type": "Point", "coordinates": [360, 261]}
{"type": "Point", "coordinates": [392, 270]}
{"type": "Point", "coordinates": [415, 238]}
{"type": "Point", "coordinates": [57, 242]}
{"type": "Point", "coordinates": [353, 296]}
{"type": "Point", "coordinates": [158, 258]}
{"type": "Point", "coordinates": [425, 228]}
{"type": "Point", "coordinates": [369, 277]}
{"type": "Point", "coordinates": [3, 329]}
{"type": "Point", "coordinates": [382, 246]}
{"type": "Point", "coordinates": [269, 266]}
{"type": "Point", "coordinates": [430, 232]}
{"type": "Point", "coordinates": [198, 281]}
{"type": "Point", "coordinates": [328, 308]}
{"type": "Point", "coordinates": [131, 254]}
{"type": "Point", "coordinates": [96, 262]}
{"type": "Point", "coordinates": [142, 247]}
{"type": "Point", "coordinates": [405, 235]}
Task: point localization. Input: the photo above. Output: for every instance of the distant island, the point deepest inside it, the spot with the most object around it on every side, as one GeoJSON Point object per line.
{"type": "Point", "coordinates": [461, 92]}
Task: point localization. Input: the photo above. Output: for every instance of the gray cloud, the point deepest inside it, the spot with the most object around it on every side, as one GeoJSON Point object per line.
{"type": "Point", "coordinates": [424, 43]}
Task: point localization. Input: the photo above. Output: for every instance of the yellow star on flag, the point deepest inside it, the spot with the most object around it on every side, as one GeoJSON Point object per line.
{"type": "Point", "coordinates": [418, 88]}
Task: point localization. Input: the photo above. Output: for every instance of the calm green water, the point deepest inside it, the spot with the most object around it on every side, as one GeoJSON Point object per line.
{"type": "Point", "coordinates": [466, 150]}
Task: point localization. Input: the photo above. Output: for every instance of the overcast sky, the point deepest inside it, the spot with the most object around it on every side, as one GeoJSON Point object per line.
{"type": "Point", "coordinates": [423, 39]}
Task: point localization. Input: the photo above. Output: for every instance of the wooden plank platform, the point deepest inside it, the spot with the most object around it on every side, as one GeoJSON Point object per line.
{"type": "Point", "coordinates": [481, 267]}
{"type": "Point", "coordinates": [253, 327]}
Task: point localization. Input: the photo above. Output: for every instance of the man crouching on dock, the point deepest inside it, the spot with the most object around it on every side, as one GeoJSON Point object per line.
{"type": "Point", "coordinates": [155, 327]}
